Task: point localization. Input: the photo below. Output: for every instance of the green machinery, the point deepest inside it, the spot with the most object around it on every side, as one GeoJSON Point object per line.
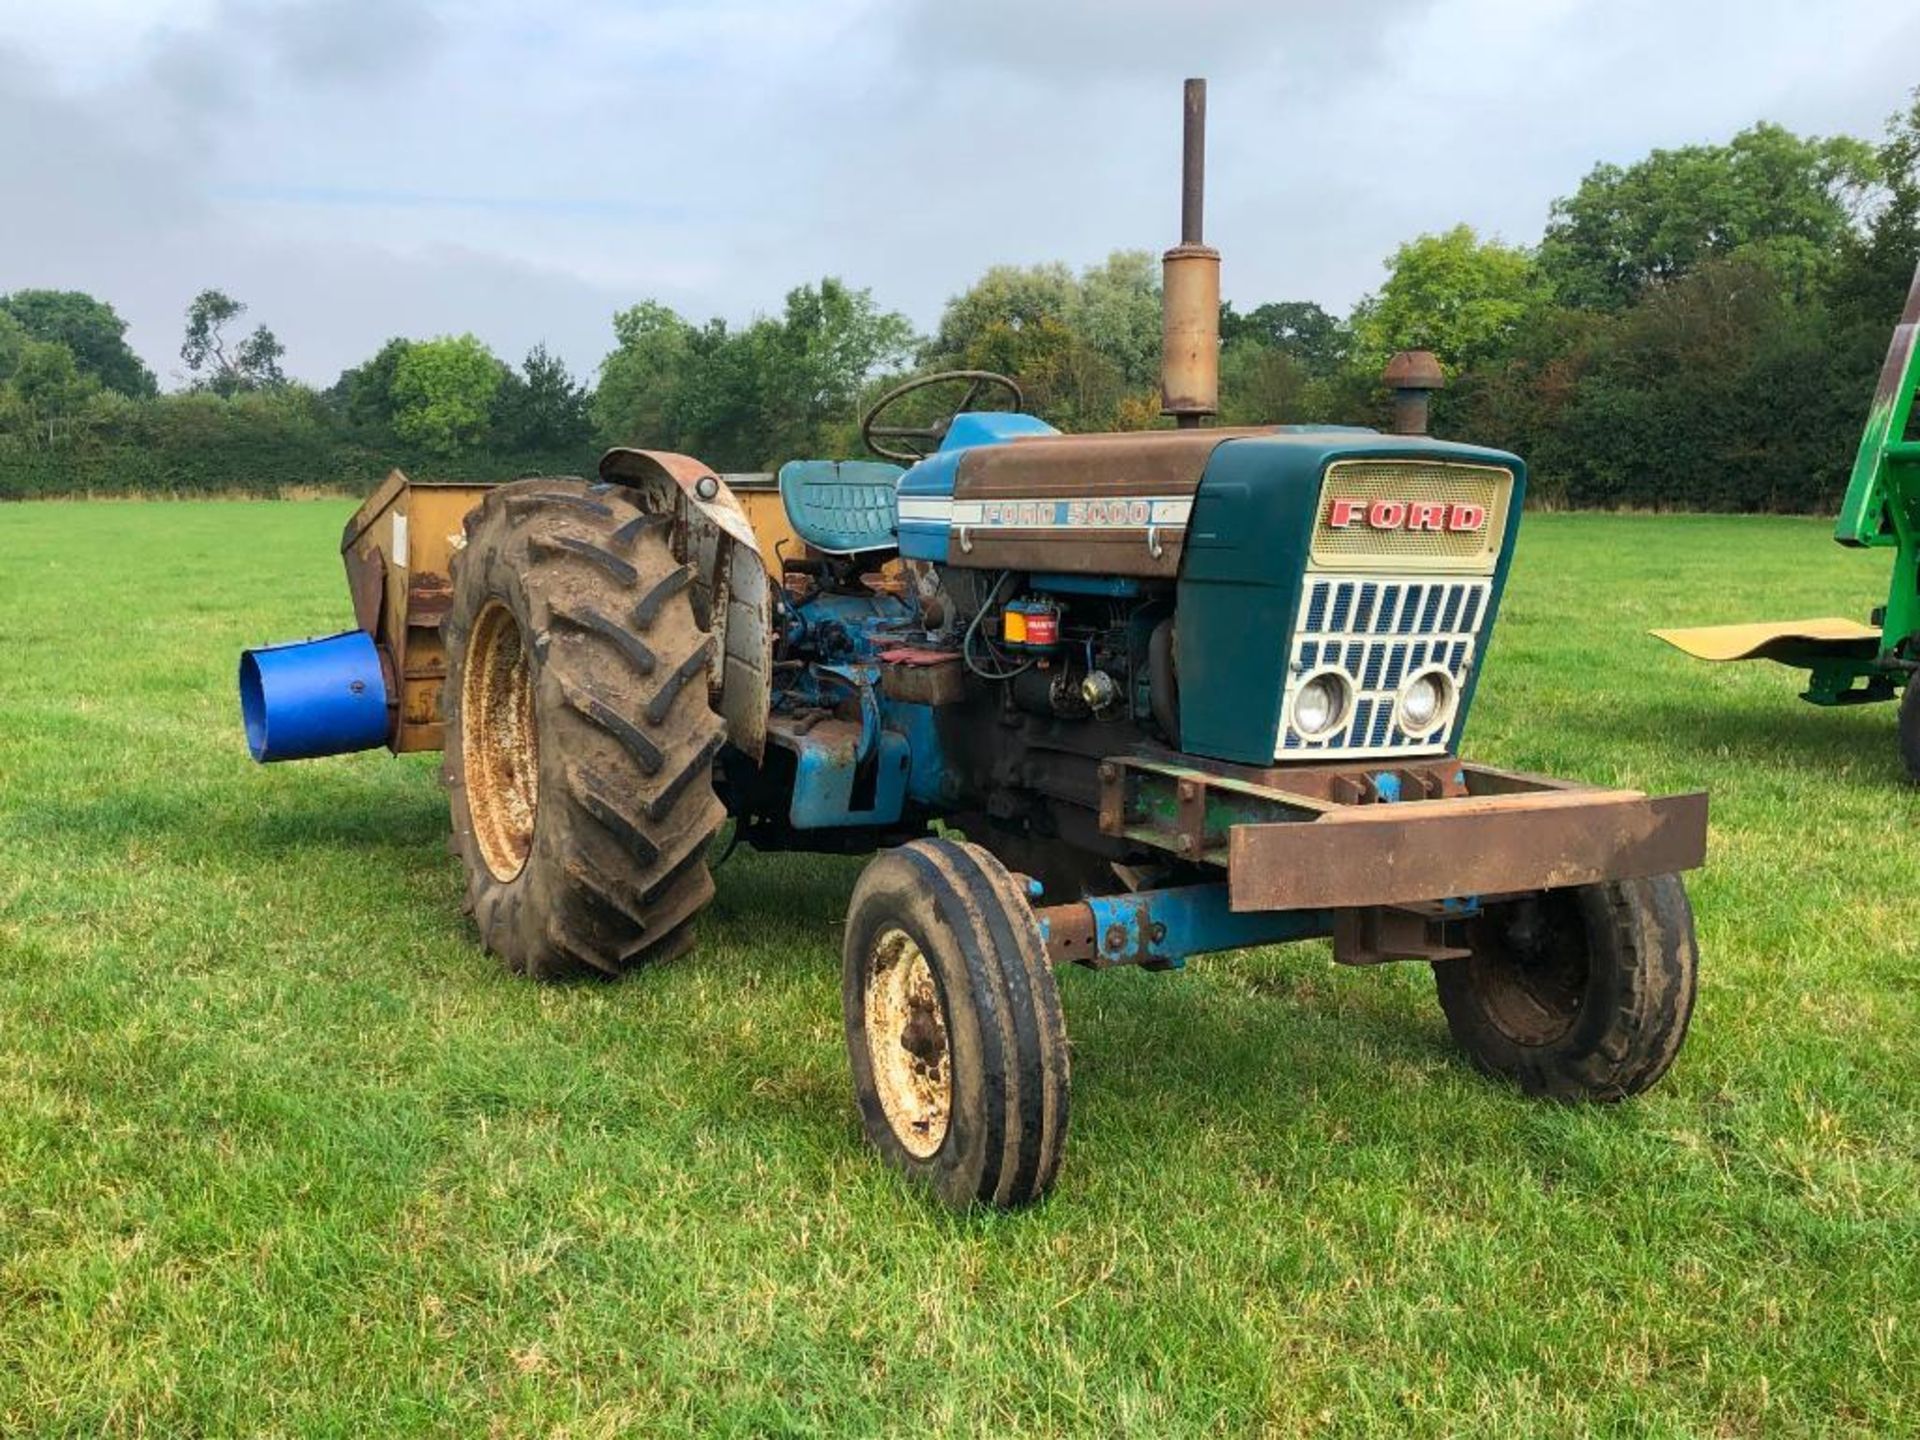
{"type": "Point", "coordinates": [1848, 663]}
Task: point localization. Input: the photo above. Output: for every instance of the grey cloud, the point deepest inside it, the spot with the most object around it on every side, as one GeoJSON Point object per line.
{"type": "Point", "coordinates": [344, 42]}
{"type": "Point", "coordinates": [359, 168]}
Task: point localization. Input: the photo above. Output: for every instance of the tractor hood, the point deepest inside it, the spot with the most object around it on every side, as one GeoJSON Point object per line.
{"type": "Point", "coordinates": [1295, 548]}
{"type": "Point", "coordinates": [1313, 549]}
{"type": "Point", "coordinates": [1028, 499]}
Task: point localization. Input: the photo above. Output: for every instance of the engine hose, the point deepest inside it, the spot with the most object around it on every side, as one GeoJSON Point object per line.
{"type": "Point", "coordinates": [973, 627]}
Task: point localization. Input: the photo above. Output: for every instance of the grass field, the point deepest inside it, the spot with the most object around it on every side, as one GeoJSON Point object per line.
{"type": "Point", "coordinates": [282, 1152]}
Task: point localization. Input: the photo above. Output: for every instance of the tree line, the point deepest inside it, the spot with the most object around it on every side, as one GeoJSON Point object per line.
{"type": "Point", "coordinates": [1699, 329]}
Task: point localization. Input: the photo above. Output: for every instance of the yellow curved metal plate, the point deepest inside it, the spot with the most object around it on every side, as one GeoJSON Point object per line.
{"type": "Point", "coordinates": [1772, 640]}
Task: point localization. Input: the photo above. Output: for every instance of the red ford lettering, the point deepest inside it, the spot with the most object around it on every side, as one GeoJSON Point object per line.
{"type": "Point", "coordinates": [1431, 516]}
{"type": "Point", "coordinates": [1467, 518]}
{"type": "Point", "coordinates": [1387, 514]}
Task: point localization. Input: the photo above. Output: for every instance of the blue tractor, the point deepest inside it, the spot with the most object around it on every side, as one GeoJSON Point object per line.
{"type": "Point", "coordinates": [1103, 699]}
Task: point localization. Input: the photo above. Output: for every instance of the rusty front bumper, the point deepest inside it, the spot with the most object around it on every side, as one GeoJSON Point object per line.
{"type": "Point", "coordinates": [1338, 838]}
{"type": "Point", "coordinates": [1434, 849]}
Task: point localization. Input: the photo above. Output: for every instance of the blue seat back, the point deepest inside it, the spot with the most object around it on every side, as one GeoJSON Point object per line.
{"type": "Point", "coordinates": [842, 507]}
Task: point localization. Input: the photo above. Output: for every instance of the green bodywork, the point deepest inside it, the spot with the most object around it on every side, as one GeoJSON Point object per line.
{"type": "Point", "coordinates": [1882, 509]}
{"type": "Point", "coordinates": [1245, 569]}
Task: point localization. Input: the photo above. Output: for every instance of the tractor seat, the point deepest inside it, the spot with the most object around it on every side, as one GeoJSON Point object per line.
{"type": "Point", "coordinates": [841, 507]}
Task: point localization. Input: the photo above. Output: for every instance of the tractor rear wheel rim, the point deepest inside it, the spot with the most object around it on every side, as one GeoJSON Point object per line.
{"type": "Point", "coordinates": [499, 741]}
{"type": "Point", "coordinates": [906, 1024]}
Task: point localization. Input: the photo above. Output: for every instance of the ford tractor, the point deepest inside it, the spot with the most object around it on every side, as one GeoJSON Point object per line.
{"type": "Point", "coordinates": [1103, 699]}
{"type": "Point", "coordinates": [1848, 662]}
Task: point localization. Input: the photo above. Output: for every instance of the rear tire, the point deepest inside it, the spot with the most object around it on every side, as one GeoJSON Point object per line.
{"type": "Point", "coordinates": [1910, 728]}
{"type": "Point", "coordinates": [953, 1023]}
{"type": "Point", "coordinates": [579, 739]}
{"type": "Point", "coordinates": [1580, 994]}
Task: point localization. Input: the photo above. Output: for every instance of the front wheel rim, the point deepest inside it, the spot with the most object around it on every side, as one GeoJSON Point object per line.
{"type": "Point", "coordinates": [499, 741]}
{"type": "Point", "coordinates": [908, 1045]}
{"type": "Point", "coordinates": [1533, 982]}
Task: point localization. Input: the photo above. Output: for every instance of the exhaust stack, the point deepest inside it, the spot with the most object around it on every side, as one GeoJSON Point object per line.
{"type": "Point", "coordinates": [1190, 288]}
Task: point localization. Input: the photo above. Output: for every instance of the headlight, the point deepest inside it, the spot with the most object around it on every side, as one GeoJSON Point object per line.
{"type": "Point", "coordinates": [1426, 702]}
{"type": "Point", "coordinates": [1320, 705]}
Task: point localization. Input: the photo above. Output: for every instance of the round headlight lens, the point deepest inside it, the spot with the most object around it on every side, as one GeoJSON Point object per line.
{"type": "Point", "coordinates": [1425, 702]}
{"type": "Point", "coordinates": [1320, 705]}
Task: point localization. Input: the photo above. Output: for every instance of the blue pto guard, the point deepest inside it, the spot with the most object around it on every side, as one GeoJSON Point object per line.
{"type": "Point", "coordinates": [310, 698]}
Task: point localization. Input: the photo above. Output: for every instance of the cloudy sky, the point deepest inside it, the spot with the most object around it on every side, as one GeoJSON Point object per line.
{"type": "Point", "coordinates": [355, 169]}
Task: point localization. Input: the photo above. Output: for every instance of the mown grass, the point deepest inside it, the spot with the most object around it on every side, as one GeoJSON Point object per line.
{"type": "Point", "coordinates": [281, 1152]}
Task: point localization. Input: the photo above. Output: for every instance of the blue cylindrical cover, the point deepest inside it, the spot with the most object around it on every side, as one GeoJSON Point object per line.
{"type": "Point", "coordinates": [313, 697]}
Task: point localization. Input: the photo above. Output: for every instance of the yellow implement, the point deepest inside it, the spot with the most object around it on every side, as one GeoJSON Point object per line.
{"type": "Point", "coordinates": [1791, 642]}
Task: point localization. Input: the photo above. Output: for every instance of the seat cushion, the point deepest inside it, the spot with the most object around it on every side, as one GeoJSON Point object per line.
{"type": "Point", "coordinates": [842, 507]}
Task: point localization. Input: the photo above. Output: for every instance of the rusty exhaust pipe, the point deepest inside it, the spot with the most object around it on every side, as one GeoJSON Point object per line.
{"type": "Point", "coordinates": [1412, 376]}
{"type": "Point", "coordinates": [1190, 288]}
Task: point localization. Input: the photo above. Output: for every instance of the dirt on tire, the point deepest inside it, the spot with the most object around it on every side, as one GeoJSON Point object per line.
{"type": "Point", "coordinates": [602, 795]}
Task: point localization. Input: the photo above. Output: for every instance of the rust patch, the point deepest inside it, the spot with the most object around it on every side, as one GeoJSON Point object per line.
{"type": "Point", "coordinates": [1365, 855]}
{"type": "Point", "coordinates": [500, 741]}
{"type": "Point", "coordinates": [906, 1025]}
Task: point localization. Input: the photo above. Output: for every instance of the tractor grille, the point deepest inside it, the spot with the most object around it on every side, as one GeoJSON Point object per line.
{"type": "Point", "coordinates": [1381, 631]}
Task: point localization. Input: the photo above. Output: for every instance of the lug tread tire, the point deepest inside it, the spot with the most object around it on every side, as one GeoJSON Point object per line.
{"type": "Point", "coordinates": [1008, 1124]}
{"type": "Point", "coordinates": [626, 809]}
{"type": "Point", "coordinates": [1638, 1001]}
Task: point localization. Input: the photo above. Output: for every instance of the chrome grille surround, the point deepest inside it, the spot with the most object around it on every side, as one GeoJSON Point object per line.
{"type": "Point", "coordinates": [1380, 630]}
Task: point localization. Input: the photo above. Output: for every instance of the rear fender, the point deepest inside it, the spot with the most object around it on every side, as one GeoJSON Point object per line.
{"type": "Point", "coordinates": [712, 533]}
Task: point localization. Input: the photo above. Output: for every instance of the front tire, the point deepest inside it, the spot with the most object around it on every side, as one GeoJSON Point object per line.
{"type": "Point", "coordinates": [953, 1025]}
{"type": "Point", "coordinates": [579, 739]}
{"type": "Point", "coordinates": [1579, 994]}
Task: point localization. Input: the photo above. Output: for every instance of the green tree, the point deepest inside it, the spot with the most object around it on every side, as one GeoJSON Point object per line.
{"type": "Point", "coordinates": [1262, 384]}
{"type": "Point", "coordinates": [1783, 200]}
{"type": "Point", "coordinates": [13, 340]}
{"type": "Point", "coordinates": [1297, 328]}
{"type": "Point", "coordinates": [51, 387]}
{"type": "Point", "coordinates": [1007, 297]}
{"type": "Point", "coordinates": [364, 393]}
{"type": "Point", "coordinates": [1116, 311]}
{"type": "Point", "coordinates": [809, 366]}
{"type": "Point", "coordinates": [1085, 349]}
{"type": "Point", "coordinates": [636, 401]}
{"type": "Point", "coordinates": [1454, 294]}
{"type": "Point", "coordinates": [540, 409]}
{"type": "Point", "coordinates": [1877, 260]}
{"type": "Point", "coordinates": [252, 363]}
{"type": "Point", "coordinates": [443, 393]}
{"type": "Point", "coordinates": [747, 398]}
{"type": "Point", "coordinates": [89, 329]}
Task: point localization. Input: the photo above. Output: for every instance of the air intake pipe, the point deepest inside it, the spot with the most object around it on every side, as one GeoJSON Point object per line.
{"type": "Point", "coordinates": [1190, 288]}
{"type": "Point", "coordinates": [309, 698]}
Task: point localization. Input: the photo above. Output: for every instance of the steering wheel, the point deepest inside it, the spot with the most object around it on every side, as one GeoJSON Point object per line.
{"type": "Point", "coordinates": [919, 441]}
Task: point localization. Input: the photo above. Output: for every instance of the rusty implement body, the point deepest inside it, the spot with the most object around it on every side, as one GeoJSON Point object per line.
{"type": "Point", "coordinates": [397, 547]}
